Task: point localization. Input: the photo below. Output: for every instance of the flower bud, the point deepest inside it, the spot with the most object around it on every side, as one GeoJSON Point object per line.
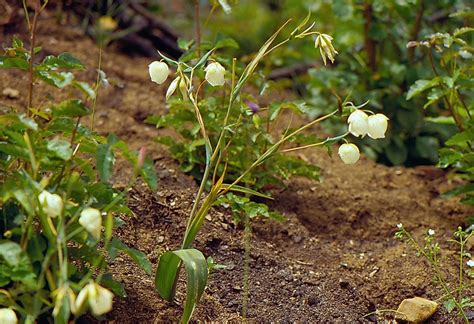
{"type": "Point", "coordinates": [324, 43]}
{"type": "Point", "coordinates": [215, 74]}
{"type": "Point", "coordinates": [91, 220]}
{"type": "Point", "coordinates": [8, 316]}
{"type": "Point", "coordinates": [158, 71]}
{"type": "Point", "coordinates": [52, 204]}
{"type": "Point", "coordinates": [377, 126]}
{"type": "Point", "coordinates": [358, 123]}
{"type": "Point", "coordinates": [172, 88]}
{"type": "Point", "coordinates": [349, 153]}
{"type": "Point", "coordinates": [98, 298]}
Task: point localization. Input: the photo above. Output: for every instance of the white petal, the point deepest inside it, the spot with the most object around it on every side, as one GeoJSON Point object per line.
{"type": "Point", "coordinates": [101, 302]}
{"type": "Point", "coordinates": [91, 220]}
{"type": "Point", "coordinates": [349, 153]}
{"type": "Point", "coordinates": [158, 71]}
{"type": "Point", "coordinates": [8, 316]}
{"type": "Point", "coordinates": [377, 126]}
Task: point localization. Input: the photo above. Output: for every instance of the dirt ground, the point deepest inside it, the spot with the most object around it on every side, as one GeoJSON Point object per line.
{"type": "Point", "coordinates": [333, 261]}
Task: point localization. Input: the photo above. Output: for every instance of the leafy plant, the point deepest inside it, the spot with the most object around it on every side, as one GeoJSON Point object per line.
{"type": "Point", "coordinates": [453, 298]}
{"type": "Point", "coordinates": [451, 88]}
{"type": "Point", "coordinates": [232, 148]}
{"type": "Point", "coordinates": [57, 203]}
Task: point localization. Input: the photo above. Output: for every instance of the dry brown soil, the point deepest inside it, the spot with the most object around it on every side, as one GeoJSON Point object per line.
{"type": "Point", "coordinates": [333, 261]}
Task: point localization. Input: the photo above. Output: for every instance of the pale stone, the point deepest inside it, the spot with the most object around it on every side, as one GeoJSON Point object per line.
{"type": "Point", "coordinates": [417, 309]}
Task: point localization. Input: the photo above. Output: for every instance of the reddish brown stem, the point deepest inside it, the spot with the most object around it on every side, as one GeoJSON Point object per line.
{"type": "Point", "coordinates": [416, 29]}
{"type": "Point", "coordinates": [32, 54]}
{"type": "Point", "coordinates": [369, 43]}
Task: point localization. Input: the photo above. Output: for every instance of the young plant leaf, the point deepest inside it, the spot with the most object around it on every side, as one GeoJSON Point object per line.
{"type": "Point", "coordinates": [137, 256]}
{"type": "Point", "coordinates": [196, 270]}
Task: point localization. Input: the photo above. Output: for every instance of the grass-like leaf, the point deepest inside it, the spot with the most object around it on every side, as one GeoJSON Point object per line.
{"type": "Point", "coordinates": [196, 270]}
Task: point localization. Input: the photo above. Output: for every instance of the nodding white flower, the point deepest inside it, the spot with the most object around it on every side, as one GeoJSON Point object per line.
{"type": "Point", "coordinates": [399, 225]}
{"type": "Point", "coordinates": [8, 316]}
{"type": "Point", "coordinates": [378, 124]}
{"type": "Point", "coordinates": [431, 232]}
{"type": "Point", "coordinates": [465, 54]}
{"type": "Point", "coordinates": [98, 298]}
{"type": "Point", "coordinates": [349, 153]}
{"type": "Point", "coordinates": [158, 71]}
{"type": "Point", "coordinates": [172, 88]}
{"type": "Point", "coordinates": [91, 220]}
{"type": "Point", "coordinates": [324, 43]}
{"type": "Point", "coordinates": [358, 123]}
{"type": "Point", "coordinates": [470, 263]}
{"type": "Point", "coordinates": [215, 74]}
{"type": "Point", "coordinates": [52, 204]}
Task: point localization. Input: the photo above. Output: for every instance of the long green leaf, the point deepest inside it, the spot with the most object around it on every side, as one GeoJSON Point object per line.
{"type": "Point", "coordinates": [196, 270]}
{"type": "Point", "coordinates": [245, 190]}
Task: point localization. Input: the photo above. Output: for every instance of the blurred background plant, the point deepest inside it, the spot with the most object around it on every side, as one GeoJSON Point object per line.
{"type": "Point", "coordinates": [451, 87]}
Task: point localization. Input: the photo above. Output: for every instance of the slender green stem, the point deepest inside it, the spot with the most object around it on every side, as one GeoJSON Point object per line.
{"type": "Point", "coordinates": [96, 88]}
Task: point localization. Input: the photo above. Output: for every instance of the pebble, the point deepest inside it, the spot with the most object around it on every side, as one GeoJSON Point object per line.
{"type": "Point", "coordinates": [417, 309]}
{"type": "Point", "coordinates": [11, 93]}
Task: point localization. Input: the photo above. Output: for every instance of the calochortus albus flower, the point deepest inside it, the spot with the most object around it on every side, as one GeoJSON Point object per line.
{"type": "Point", "coordinates": [91, 220]}
{"type": "Point", "coordinates": [349, 153]}
{"type": "Point", "coordinates": [8, 316]}
{"type": "Point", "coordinates": [215, 74]}
{"type": "Point", "coordinates": [358, 123]}
{"type": "Point", "coordinates": [158, 71]}
{"type": "Point", "coordinates": [377, 126]}
{"type": "Point", "coordinates": [324, 43]}
{"type": "Point", "coordinates": [52, 204]}
{"type": "Point", "coordinates": [470, 263]}
{"type": "Point", "coordinates": [431, 232]}
{"type": "Point", "coordinates": [98, 298]}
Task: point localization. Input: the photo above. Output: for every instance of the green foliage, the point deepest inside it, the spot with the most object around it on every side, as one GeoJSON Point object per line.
{"type": "Point", "coordinates": [196, 267]}
{"type": "Point", "coordinates": [430, 251]}
{"type": "Point", "coordinates": [45, 258]}
{"type": "Point", "coordinates": [451, 87]}
{"type": "Point", "coordinates": [374, 63]}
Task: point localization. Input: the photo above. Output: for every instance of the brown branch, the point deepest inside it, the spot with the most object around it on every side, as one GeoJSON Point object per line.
{"type": "Point", "coordinates": [32, 55]}
{"type": "Point", "coordinates": [369, 43]}
{"type": "Point", "coordinates": [153, 20]}
{"type": "Point", "coordinates": [416, 29]}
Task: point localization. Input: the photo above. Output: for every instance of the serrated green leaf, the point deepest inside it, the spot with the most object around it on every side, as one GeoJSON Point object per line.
{"type": "Point", "coordinates": [14, 62]}
{"type": "Point", "coordinates": [58, 79]}
{"type": "Point", "coordinates": [61, 148]}
{"type": "Point", "coordinates": [148, 174]}
{"type": "Point", "coordinates": [105, 161]}
{"type": "Point", "coordinates": [63, 60]}
{"type": "Point", "coordinates": [70, 108]}
{"type": "Point", "coordinates": [421, 85]}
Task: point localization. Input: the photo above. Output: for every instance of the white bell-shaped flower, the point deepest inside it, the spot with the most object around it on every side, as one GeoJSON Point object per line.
{"type": "Point", "coordinates": [358, 123]}
{"type": "Point", "coordinates": [158, 71]}
{"type": "Point", "coordinates": [98, 298]}
{"type": "Point", "coordinates": [377, 124]}
{"type": "Point", "coordinates": [52, 204]}
{"type": "Point", "coordinates": [215, 74]}
{"type": "Point", "coordinates": [172, 88]}
{"type": "Point", "coordinates": [349, 153]}
{"type": "Point", "coordinates": [91, 220]}
{"type": "Point", "coordinates": [8, 316]}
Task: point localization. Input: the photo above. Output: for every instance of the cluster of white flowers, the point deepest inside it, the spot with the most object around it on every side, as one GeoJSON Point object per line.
{"type": "Point", "coordinates": [52, 205]}
{"type": "Point", "coordinates": [159, 71]}
{"type": "Point", "coordinates": [361, 124]}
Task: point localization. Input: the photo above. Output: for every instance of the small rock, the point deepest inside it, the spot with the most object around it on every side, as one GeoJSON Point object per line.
{"type": "Point", "coordinates": [161, 239]}
{"type": "Point", "coordinates": [11, 93]}
{"type": "Point", "coordinates": [417, 309]}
